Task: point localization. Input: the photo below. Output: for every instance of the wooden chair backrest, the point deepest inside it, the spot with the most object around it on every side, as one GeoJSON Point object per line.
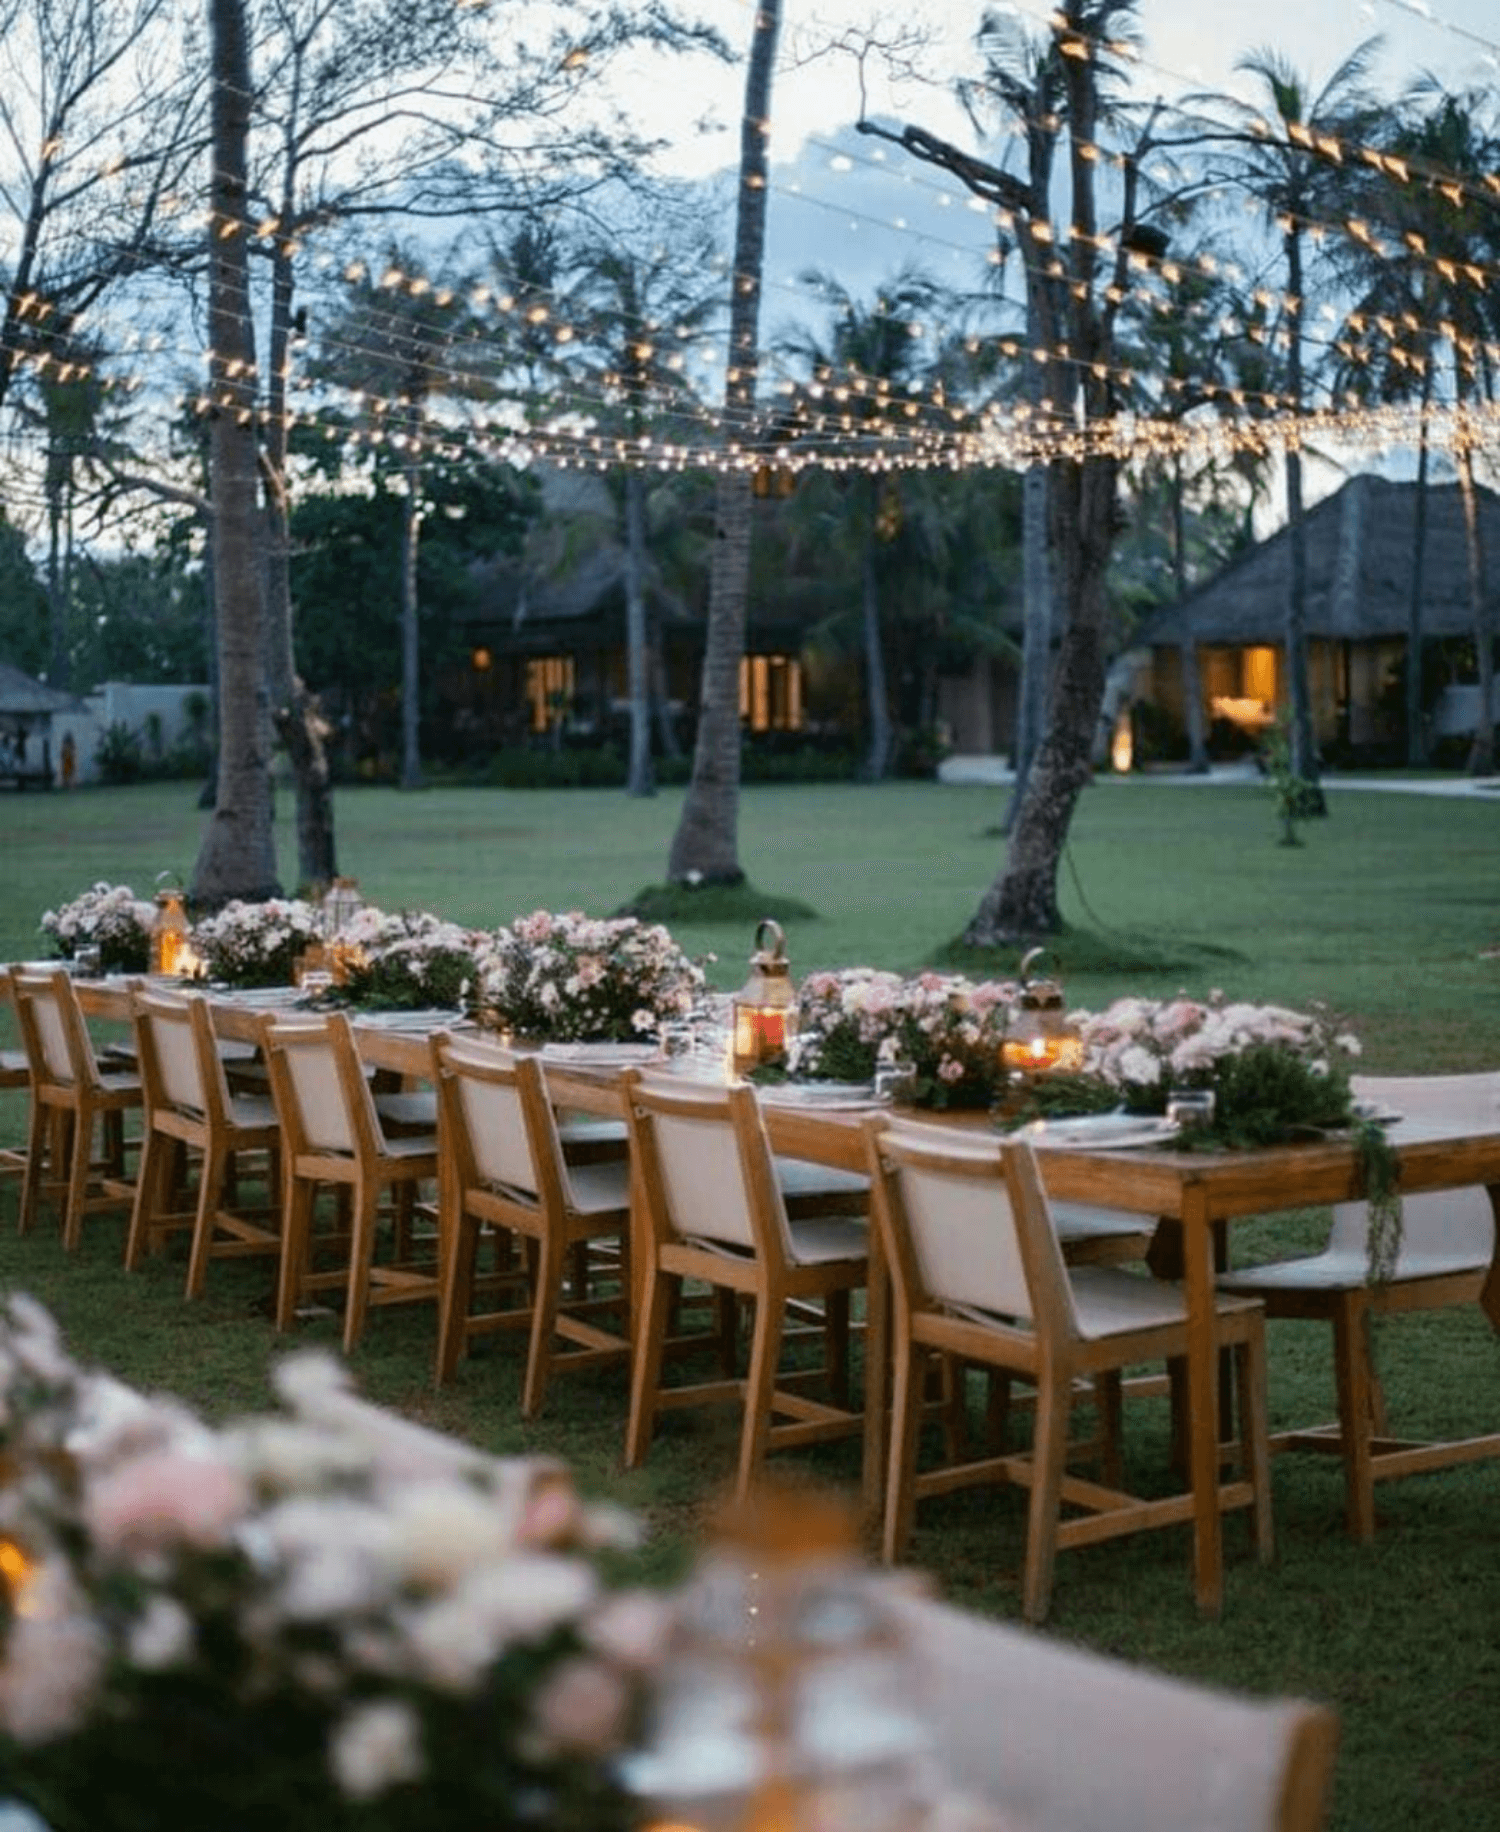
{"type": "Point", "coordinates": [965, 1226]}
{"type": "Point", "coordinates": [322, 1099]}
{"type": "Point", "coordinates": [53, 1032]}
{"type": "Point", "coordinates": [1060, 1740]}
{"type": "Point", "coordinates": [495, 1117]}
{"type": "Point", "coordinates": [706, 1166]}
{"type": "Point", "coordinates": [1452, 1220]}
{"type": "Point", "coordinates": [179, 1061]}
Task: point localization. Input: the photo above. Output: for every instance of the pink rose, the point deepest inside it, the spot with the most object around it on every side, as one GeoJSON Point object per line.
{"type": "Point", "coordinates": [166, 1498]}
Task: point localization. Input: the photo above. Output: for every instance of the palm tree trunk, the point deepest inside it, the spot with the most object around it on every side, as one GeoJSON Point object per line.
{"type": "Point", "coordinates": [1304, 744]}
{"type": "Point", "coordinates": [1416, 735]}
{"type": "Point", "coordinates": [1482, 752]}
{"type": "Point", "coordinates": [661, 692]}
{"type": "Point", "coordinates": [238, 854]}
{"type": "Point", "coordinates": [57, 610]}
{"type": "Point", "coordinates": [1192, 677]}
{"type": "Point", "coordinates": [705, 847]}
{"type": "Point", "coordinates": [295, 713]}
{"type": "Point", "coordinates": [411, 534]}
{"type": "Point", "coordinates": [1036, 591]}
{"type": "Point", "coordinates": [878, 758]}
{"type": "Point", "coordinates": [1022, 900]}
{"type": "Point", "coordinates": [639, 780]}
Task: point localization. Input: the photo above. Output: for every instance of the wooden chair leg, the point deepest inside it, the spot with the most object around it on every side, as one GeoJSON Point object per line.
{"type": "Point", "coordinates": [551, 1265]}
{"type": "Point", "coordinates": [150, 1195]}
{"type": "Point", "coordinates": [78, 1179]}
{"type": "Point", "coordinates": [1379, 1420]}
{"type": "Point", "coordinates": [213, 1174]}
{"type": "Point", "coordinates": [1255, 1455]}
{"type": "Point", "coordinates": [366, 1207]}
{"type": "Point", "coordinates": [645, 1375]}
{"type": "Point", "coordinates": [727, 1311]}
{"type": "Point", "coordinates": [760, 1389]}
{"type": "Point", "coordinates": [908, 1384]}
{"type": "Point", "coordinates": [296, 1246]}
{"type": "Point", "coordinates": [1054, 1403]}
{"type": "Point", "coordinates": [455, 1298]}
{"type": "Point", "coordinates": [836, 1350]}
{"type": "Point", "coordinates": [1110, 1412]}
{"type": "Point", "coordinates": [41, 1144]}
{"type": "Point", "coordinates": [1352, 1373]}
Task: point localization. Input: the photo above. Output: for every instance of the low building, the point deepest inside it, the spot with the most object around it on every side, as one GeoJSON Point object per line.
{"type": "Point", "coordinates": [1360, 545]}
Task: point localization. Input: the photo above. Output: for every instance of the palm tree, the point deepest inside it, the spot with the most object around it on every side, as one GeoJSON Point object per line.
{"type": "Point", "coordinates": [407, 339]}
{"type": "Point", "coordinates": [636, 308]}
{"type": "Point", "coordinates": [705, 847]}
{"type": "Point", "coordinates": [1272, 153]}
{"type": "Point", "coordinates": [238, 854]}
{"type": "Point", "coordinates": [872, 354]}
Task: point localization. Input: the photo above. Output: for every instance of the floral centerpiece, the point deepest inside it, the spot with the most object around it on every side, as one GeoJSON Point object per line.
{"type": "Point", "coordinates": [949, 1029]}
{"type": "Point", "coordinates": [256, 944]}
{"type": "Point", "coordinates": [1274, 1073]}
{"type": "Point", "coordinates": [325, 1618]}
{"type": "Point", "coordinates": [407, 960]}
{"type": "Point", "coordinates": [575, 978]}
{"type": "Point", "coordinates": [1271, 1069]}
{"type": "Point", "coordinates": [109, 917]}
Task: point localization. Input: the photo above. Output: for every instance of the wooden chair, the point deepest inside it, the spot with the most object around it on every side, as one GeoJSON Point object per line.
{"type": "Point", "coordinates": [504, 1167]}
{"type": "Point", "coordinates": [977, 1273]}
{"type": "Point", "coordinates": [1055, 1739]}
{"type": "Point", "coordinates": [715, 1213]}
{"type": "Point", "coordinates": [332, 1135]}
{"type": "Point", "coordinates": [15, 1074]}
{"type": "Point", "coordinates": [1447, 1256]}
{"type": "Point", "coordinates": [73, 1098]}
{"type": "Point", "coordinates": [190, 1106]}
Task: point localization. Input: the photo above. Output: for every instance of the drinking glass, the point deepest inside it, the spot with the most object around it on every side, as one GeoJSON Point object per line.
{"type": "Point", "coordinates": [1191, 1109]}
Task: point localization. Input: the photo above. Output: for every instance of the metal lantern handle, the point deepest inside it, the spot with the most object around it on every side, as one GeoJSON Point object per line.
{"type": "Point", "coordinates": [777, 949]}
{"type": "Point", "coordinates": [1029, 960]}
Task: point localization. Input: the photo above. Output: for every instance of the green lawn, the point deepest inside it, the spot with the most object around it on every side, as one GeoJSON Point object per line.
{"type": "Point", "coordinates": [1389, 913]}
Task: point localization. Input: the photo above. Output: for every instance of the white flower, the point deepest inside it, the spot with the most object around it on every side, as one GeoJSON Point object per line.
{"type": "Point", "coordinates": [375, 1746]}
{"type": "Point", "coordinates": [161, 1636]}
{"type": "Point", "coordinates": [1139, 1065]}
{"type": "Point", "coordinates": [54, 1661]}
{"type": "Point", "coordinates": [441, 1530]}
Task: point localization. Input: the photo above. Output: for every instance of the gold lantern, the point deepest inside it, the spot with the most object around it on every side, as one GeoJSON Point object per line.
{"type": "Point", "coordinates": [171, 946]}
{"type": "Point", "coordinates": [341, 905]}
{"type": "Point", "coordinates": [765, 1007]}
{"type": "Point", "coordinates": [1040, 1040]}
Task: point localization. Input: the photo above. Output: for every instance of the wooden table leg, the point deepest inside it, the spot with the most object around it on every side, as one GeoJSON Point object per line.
{"type": "Point", "coordinates": [1203, 1402]}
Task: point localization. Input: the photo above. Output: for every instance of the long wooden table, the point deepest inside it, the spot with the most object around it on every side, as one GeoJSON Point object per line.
{"type": "Point", "coordinates": [1199, 1192]}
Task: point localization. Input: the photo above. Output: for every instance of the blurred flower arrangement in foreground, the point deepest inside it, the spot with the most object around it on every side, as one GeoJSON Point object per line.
{"type": "Point", "coordinates": [324, 1617]}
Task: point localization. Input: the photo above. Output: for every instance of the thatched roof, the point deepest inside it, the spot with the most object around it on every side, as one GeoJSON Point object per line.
{"type": "Point", "coordinates": [23, 698]}
{"type": "Point", "coordinates": [1359, 562]}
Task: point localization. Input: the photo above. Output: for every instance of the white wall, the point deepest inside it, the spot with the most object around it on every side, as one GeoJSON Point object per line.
{"type": "Point", "coordinates": [121, 702]}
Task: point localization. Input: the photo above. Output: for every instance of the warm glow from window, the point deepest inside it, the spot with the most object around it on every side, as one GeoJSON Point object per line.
{"type": "Point", "coordinates": [1258, 675]}
{"type": "Point", "coordinates": [1122, 745]}
{"type": "Point", "coordinates": [771, 693]}
{"type": "Point", "coordinates": [549, 689]}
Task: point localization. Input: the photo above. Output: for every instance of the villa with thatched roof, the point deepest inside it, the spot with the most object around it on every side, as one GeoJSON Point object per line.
{"type": "Point", "coordinates": [1360, 545]}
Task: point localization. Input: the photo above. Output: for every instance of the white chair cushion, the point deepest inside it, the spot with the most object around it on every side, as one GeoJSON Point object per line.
{"type": "Point", "coordinates": [1083, 1221]}
{"type": "Point", "coordinates": [418, 1108]}
{"type": "Point", "coordinates": [800, 1178]}
{"type": "Point", "coordinates": [828, 1238]}
{"type": "Point", "coordinates": [420, 1144]}
{"type": "Point", "coordinates": [1109, 1302]}
{"type": "Point", "coordinates": [1347, 1268]}
{"type": "Point", "coordinates": [596, 1189]}
{"type": "Point", "coordinates": [252, 1110]}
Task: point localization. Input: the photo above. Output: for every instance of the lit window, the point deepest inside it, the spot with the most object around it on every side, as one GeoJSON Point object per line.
{"type": "Point", "coordinates": [771, 693]}
{"type": "Point", "coordinates": [549, 689]}
{"type": "Point", "coordinates": [1258, 675]}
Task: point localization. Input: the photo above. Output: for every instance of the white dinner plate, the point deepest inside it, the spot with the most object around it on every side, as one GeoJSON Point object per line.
{"type": "Point", "coordinates": [1102, 1131]}
{"type": "Point", "coordinates": [825, 1094]}
{"type": "Point", "coordinates": [623, 1055]}
{"type": "Point", "coordinates": [426, 1019]}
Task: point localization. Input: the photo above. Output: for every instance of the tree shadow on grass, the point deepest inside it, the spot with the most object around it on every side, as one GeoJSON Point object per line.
{"type": "Point", "coordinates": [1083, 951]}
